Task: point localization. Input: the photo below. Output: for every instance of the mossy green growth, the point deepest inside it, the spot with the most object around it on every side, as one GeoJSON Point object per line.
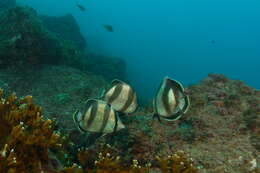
{"type": "Point", "coordinates": [62, 98]}
{"type": "Point", "coordinates": [71, 55]}
{"type": "Point", "coordinates": [250, 117]}
{"type": "Point", "coordinates": [142, 121]}
{"type": "Point", "coordinates": [187, 131]}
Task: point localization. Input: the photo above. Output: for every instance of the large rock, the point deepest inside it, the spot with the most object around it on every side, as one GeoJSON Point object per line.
{"type": "Point", "coordinates": [26, 42]}
{"type": "Point", "coordinates": [65, 27]}
{"type": "Point", "coordinates": [109, 67]}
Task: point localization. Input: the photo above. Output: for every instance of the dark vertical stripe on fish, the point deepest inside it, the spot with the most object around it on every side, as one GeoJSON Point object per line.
{"type": "Point", "coordinates": [116, 122]}
{"type": "Point", "coordinates": [93, 113]}
{"type": "Point", "coordinates": [105, 118]}
{"type": "Point", "coordinates": [116, 93]}
{"type": "Point", "coordinates": [165, 99]}
{"type": "Point", "coordinates": [129, 101]}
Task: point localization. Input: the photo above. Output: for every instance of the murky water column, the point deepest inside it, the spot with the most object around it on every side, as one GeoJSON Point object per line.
{"type": "Point", "coordinates": [5, 4]}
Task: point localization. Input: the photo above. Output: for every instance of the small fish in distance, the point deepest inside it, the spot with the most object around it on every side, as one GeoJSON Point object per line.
{"type": "Point", "coordinates": [109, 28]}
{"type": "Point", "coordinates": [81, 7]}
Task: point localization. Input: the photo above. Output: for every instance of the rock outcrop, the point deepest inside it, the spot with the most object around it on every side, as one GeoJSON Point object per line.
{"type": "Point", "coordinates": [65, 27]}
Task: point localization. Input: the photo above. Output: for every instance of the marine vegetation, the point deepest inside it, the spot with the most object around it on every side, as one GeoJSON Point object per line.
{"type": "Point", "coordinates": [109, 161]}
{"type": "Point", "coordinates": [28, 142]}
{"type": "Point", "coordinates": [25, 137]}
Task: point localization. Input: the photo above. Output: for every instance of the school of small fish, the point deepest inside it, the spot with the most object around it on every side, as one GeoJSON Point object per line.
{"type": "Point", "coordinates": [102, 115]}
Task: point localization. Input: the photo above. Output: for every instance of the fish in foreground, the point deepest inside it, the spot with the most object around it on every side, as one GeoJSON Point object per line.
{"type": "Point", "coordinates": [170, 102]}
{"type": "Point", "coordinates": [121, 97]}
{"type": "Point", "coordinates": [109, 28]}
{"type": "Point", "coordinates": [98, 117]}
{"type": "Point", "coordinates": [81, 7]}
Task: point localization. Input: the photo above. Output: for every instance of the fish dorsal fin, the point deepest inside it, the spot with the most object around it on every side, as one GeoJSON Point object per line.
{"type": "Point", "coordinates": [116, 82]}
{"type": "Point", "coordinates": [89, 102]}
{"type": "Point", "coordinates": [174, 83]}
{"type": "Point", "coordinates": [113, 83]}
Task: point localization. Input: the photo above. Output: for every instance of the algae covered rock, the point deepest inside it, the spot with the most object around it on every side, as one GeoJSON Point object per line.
{"type": "Point", "coordinates": [24, 40]}
{"type": "Point", "coordinates": [65, 27]}
{"type": "Point", "coordinates": [26, 43]}
{"type": "Point", "coordinates": [109, 67]}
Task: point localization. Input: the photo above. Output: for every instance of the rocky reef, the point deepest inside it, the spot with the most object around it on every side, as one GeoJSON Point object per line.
{"type": "Point", "coordinates": [109, 67]}
{"type": "Point", "coordinates": [28, 41]}
{"type": "Point", "coordinates": [219, 133]}
{"type": "Point", "coordinates": [65, 27]}
{"type": "Point", "coordinates": [29, 143]}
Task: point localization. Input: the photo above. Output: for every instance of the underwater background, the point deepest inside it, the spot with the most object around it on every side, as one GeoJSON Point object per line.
{"type": "Point", "coordinates": [62, 111]}
{"type": "Point", "coordinates": [182, 39]}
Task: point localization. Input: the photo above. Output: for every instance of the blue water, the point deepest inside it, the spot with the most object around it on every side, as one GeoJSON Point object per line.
{"type": "Point", "coordinates": [183, 39]}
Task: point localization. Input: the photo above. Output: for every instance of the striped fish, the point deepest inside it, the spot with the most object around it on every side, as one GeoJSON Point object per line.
{"type": "Point", "coordinates": [121, 97]}
{"type": "Point", "coordinates": [98, 117]}
{"type": "Point", "coordinates": [170, 102]}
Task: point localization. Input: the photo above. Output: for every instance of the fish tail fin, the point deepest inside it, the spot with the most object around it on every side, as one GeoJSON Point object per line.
{"type": "Point", "coordinates": [76, 116]}
{"type": "Point", "coordinates": [101, 94]}
{"type": "Point", "coordinates": [155, 115]}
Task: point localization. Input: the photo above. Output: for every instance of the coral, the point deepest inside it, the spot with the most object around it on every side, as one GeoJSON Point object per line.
{"type": "Point", "coordinates": [25, 137]}
{"type": "Point", "coordinates": [62, 98]}
{"type": "Point", "coordinates": [109, 161]}
{"type": "Point", "coordinates": [177, 163]}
